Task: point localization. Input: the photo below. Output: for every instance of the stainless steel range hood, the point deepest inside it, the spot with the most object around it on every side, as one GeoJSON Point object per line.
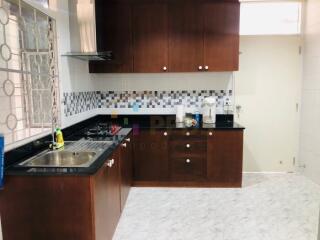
{"type": "Point", "coordinates": [83, 35]}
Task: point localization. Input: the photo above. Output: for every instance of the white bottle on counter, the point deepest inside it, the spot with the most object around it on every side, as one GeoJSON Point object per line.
{"type": "Point", "coordinates": [180, 114]}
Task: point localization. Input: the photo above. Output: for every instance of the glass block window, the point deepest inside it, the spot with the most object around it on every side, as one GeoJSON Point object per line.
{"type": "Point", "coordinates": [28, 72]}
{"type": "Point", "coordinates": [270, 18]}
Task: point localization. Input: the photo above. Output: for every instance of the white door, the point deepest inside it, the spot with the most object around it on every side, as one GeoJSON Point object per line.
{"type": "Point", "coordinates": [267, 87]}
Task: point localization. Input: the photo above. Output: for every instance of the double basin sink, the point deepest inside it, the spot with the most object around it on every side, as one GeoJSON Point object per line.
{"type": "Point", "coordinates": [74, 154]}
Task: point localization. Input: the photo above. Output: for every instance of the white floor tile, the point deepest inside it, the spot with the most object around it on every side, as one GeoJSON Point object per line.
{"type": "Point", "coordinates": [268, 207]}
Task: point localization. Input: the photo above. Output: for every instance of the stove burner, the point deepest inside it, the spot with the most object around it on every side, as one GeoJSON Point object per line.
{"type": "Point", "coordinates": [103, 130]}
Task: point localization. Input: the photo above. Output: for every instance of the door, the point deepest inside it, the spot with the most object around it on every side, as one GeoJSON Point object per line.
{"type": "Point", "coordinates": [126, 169]}
{"type": "Point", "coordinates": [224, 157]}
{"type": "Point", "coordinates": [150, 36]}
{"type": "Point", "coordinates": [185, 36]}
{"type": "Point", "coordinates": [151, 155]}
{"type": "Point", "coordinates": [114, 32]}
{"type": "Point", "coordinates": [221, 35]}
{"type": "Point", "coordinates": [107, 198]}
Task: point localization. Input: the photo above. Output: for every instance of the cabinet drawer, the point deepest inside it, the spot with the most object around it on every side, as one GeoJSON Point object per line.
{"type": "Point", "coordinates": [188, 169]}
{"type": "Point", "coordinates": [187, 134]}
{"type": "Point", "coordinates": [182, 148]}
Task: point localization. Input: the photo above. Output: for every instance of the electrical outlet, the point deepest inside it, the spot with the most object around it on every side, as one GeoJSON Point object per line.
{"type": "Point", "coordinates": [227, 102]}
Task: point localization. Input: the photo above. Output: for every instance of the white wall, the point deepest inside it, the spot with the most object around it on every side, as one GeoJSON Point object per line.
{"type": "Point", "coordinates": [73, 73]}
{"type": "Point", "coordinates": [310, 117]}
{"type": "Point", "coordinates": [267, 87]}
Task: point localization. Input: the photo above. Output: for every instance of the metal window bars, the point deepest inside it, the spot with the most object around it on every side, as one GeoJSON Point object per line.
{"type": "Point", "coordinates": [29, 86]}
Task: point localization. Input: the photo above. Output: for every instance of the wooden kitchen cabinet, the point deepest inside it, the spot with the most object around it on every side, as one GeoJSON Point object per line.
{"type": "Point", "coordinates": [126, 169]}
{"type": "Point", "coordinates": [150, 36]}
{"type": "Point", "coordinates": [188, 158]}
{"type": "Point", "coordinates": [106, 195]}
{"type": "Point", "coordinates": [221, 35]}
{"type": "Point", "coordinates": [185, 36]}
{"type": "Point", "coordinates": [150, 156]}
{"type": "Point", "coordinates": [62, 207]}
{"type": "Point", "coordinates": [114, 32]}
{"type": "Point", "coordinates": [224, 157]}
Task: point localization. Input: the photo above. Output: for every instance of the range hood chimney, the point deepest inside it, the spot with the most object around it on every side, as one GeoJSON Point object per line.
{"type": "Point", "coordinates": [83, 36]}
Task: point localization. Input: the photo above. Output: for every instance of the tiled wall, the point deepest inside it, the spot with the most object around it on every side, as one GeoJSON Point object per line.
{"type": "Point", "coordinates": [310, 114]}
{"type": "Point", "coordinates": [79, 102]}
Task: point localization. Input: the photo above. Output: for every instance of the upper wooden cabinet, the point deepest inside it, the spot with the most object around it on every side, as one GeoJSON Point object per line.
{"type": "Point", "coordinates": [114, 32]}
{"type": "Point", "coordinates": [150, 36]}
{"type": "Point", "coordinates": [185, 36]}
{"type": "Point", "coordinates": [221, 36]}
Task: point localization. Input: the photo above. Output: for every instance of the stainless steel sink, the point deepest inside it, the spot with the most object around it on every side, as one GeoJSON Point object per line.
{"type": "Point", "coordinates": [74, 154]}
{"type": "Point", "coordinates": [62, 159]}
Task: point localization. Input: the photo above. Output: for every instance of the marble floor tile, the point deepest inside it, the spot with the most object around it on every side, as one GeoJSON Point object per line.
{"type": "Point", "coordinates": [268, 207]}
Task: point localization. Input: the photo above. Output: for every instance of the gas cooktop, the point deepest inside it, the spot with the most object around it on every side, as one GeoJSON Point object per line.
{"type": "Point", "coordinates": [98, 132]}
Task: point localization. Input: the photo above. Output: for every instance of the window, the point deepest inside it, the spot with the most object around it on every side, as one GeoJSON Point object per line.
{"type": "Point", "coordinates": [270, 18]}
{"type": "Point", "coordinates": [28, 72]}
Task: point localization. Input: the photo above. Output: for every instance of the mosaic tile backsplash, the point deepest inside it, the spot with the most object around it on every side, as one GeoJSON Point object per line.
{"type": "Point", "coordinates": [78, 102]}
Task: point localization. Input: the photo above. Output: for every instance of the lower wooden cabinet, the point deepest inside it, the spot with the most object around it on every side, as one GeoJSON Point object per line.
{"type": "Point", "coordinates": [150, 154]}
{"type": "Point", "coordinates": [224, 157]}
{"type": "Point", "coordinates": [106, 198]}
{"type": "Point", "coordinates": [126, 169]}
{"type": "Point", "coordinates": [67, 207]}
{"type": "Point", "coordinates": [188, 157]}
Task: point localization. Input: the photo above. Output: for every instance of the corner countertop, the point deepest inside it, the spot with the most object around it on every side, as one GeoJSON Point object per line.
{"type": "Point", "coordinates": [74, 133]}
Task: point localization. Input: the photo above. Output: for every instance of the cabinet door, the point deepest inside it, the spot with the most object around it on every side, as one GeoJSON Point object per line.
{"type": "Point", "coordinates": [221, 35]}
{"type": "Point", "coordinates": [151, 156]}
{"type": "Point", "coordinates": [185, 36]}
{"type": "Point", "coordinates": [126, 169]}
{"type": "Point", "coordinates": [150, 36]}
{"type": "Point", "coordinates": [107, 198]}
{"type": "Point", "coordinates": [114, 32]}
{"type": "Point", "coordinates": [224, 157]}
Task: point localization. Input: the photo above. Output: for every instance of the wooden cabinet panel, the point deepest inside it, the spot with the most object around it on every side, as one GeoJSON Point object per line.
{"type": "Point", "coordinates": [39, 207]}
{"type": "Point", "coordinates": [114, 32]}
{"type": "Point", "coordinates": [185, 36]}
{"type": "Point", "coordinates": [150, 36]}
{"type": "Point", "coordinates": [188, 168]}
{"type": "Point", "coordinates": [224, 157]}
{"type": "Point", "coordinates": [107, 198]}
{"type": "Point", "coordinates": [126, 169]}
{"type": "Point", "coordinates": [221, 35]}
{"type": "Point", "coordinates": [150, 156]}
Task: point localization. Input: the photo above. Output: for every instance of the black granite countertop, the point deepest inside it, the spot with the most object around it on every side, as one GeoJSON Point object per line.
{"type": "Point", "coordinates": [75, 132]}
{"type": "Point", "coordinates": [15, 169]}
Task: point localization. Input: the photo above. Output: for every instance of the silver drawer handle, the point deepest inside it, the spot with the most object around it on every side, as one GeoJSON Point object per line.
{"type": "Point", "coordinates": [188, 146]}
{"type": "Point", "coordinates": [128, 140]}
{"type": "Point", "coordinates": [210, 133]}
{"type": "Point", "coordinates": [165, 134]}
{"type": "Point", "coordinates": [124, 145]}
{"type": "Point", "coordinates": [188, 134]}
{"type": "Point", "coordinates": [188, 160]}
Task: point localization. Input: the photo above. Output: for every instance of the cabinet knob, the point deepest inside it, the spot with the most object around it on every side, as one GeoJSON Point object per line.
{"type": "Point", "coordinates": [188, 145]}
{"type": "Point", "coordinates": [165, 68]}
{"type": "Point", "coordinates": [206, 67]}
{"type": "Point", "coordinates": [110, 163]}
{"type": "Point", "coordinates": [210, 133]}
{"type": "Point", "coordinates": [124, 145]}
{"type": "Point", "coordinates": [128, 140]}
{"type": "Point", "coordinates": [200, 68]}
{"type": "Point", "coordinates": [188, 160]}
{"type": "Point", "coordinates": [187, 133]}
{"type": "Point", "coordinates": [165, 134]}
